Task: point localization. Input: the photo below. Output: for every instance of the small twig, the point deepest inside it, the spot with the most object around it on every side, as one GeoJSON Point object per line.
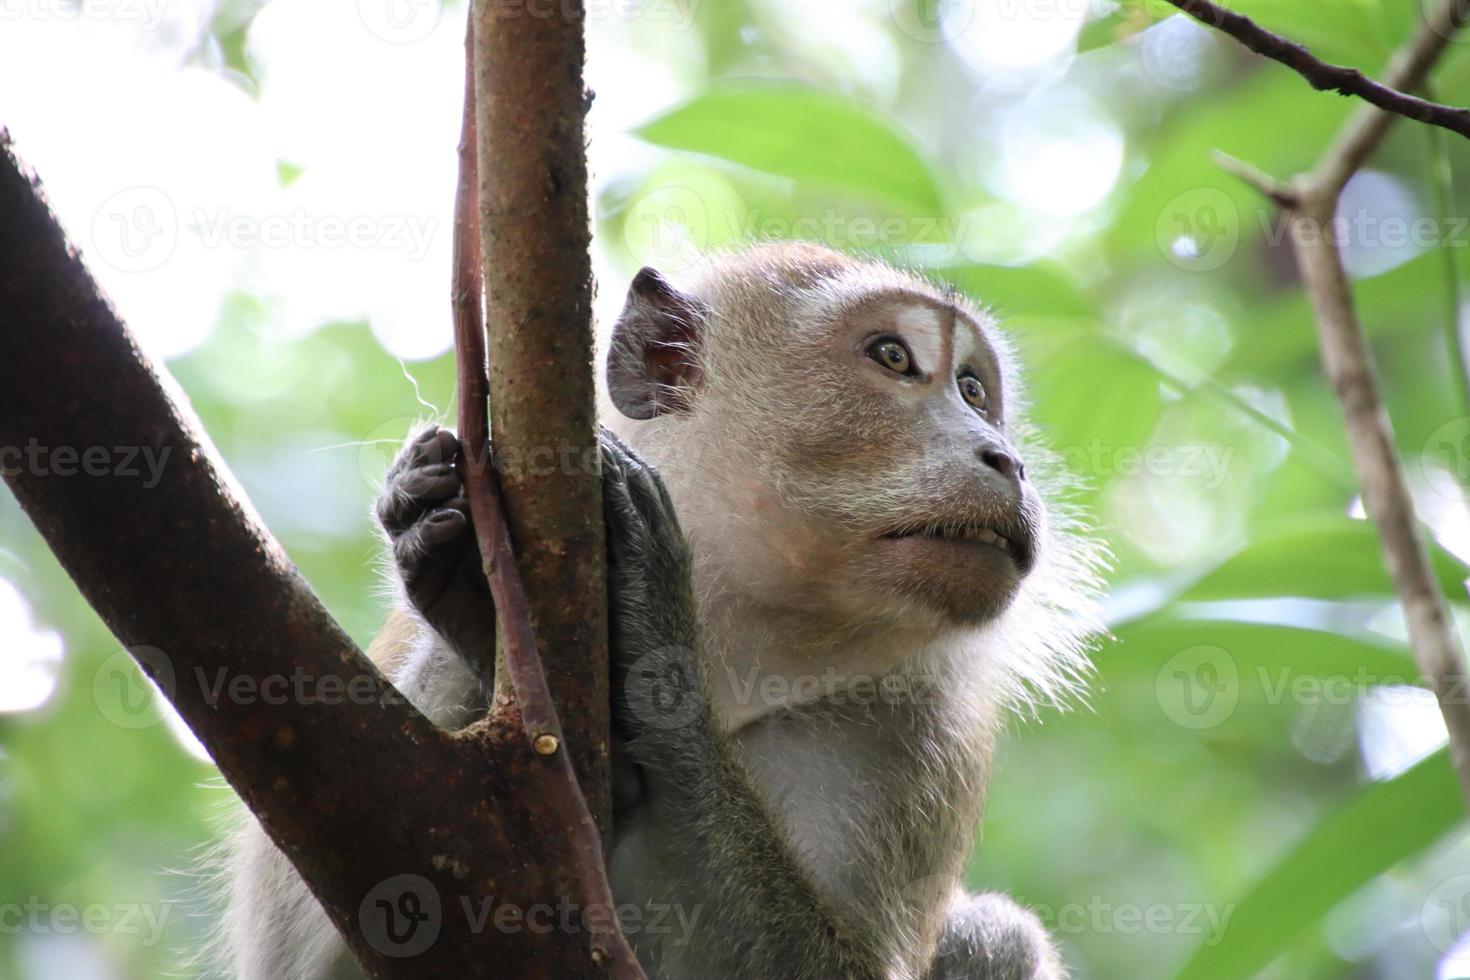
{"type": "Point", "coordinates": [1407, 69]}
{"type": "Point", "coordinates": [1325, 76]}
{"type": "Point", "coordinates": [1276, 190]}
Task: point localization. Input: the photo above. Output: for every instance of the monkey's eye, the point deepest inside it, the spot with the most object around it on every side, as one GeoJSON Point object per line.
{"type": "Point", "coordinates": [972, 391]}
{"type": "Point", "coordinates": [893, 355]}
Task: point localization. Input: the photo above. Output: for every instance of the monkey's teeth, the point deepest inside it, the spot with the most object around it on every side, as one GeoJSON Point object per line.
{"type": "Point", "coordinates": [981, 535]}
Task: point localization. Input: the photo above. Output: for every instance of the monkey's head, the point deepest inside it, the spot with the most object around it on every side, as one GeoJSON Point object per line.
{"type": "Point", "coordinates": [849, 426]}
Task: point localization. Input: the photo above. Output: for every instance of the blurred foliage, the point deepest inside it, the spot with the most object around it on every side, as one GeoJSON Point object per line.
{"type": "Point", "coordinates": [1253, 788]}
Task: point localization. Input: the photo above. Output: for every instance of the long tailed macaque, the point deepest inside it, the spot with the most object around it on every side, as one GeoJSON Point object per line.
{"type": "Point", "coordinates": [834, 570]}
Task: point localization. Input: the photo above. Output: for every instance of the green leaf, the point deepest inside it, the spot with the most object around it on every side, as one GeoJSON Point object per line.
{"type": "Point", "coordinates": [1384, 825]}
{"type": "Point", "coordinates": [805, 134]}
{"type": "Point", "coordinates": [1257, 662]}
{"type": "Point", "coordinates": [1393, 306]}
{"type": "Point", "coordinates": [1065, 395]}
{"type": "Point", "coordinates": [1122, 24]}
{"type": "Point", "coordinates": [1039, 289]}
{"type": "Point", "coordinates": [1273, 119]}
{"type": "Point", "coordinates": [1327, 556]}
{"type": "Point", "coordinates": [1335, 30]}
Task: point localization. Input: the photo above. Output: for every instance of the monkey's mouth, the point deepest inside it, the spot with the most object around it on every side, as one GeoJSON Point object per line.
{"type": "Point", "coordinates": [1016, 542]}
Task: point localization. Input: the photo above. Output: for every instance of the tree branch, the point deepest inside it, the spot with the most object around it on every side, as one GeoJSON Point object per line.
{"type": "Point", "coordinates": [566, 805]}
{"type": "Point", "coordinates": [1348, 365]}
{"type": "Point", "coordinates": [417, 842]}
{"type": "Point", "coordinates": [217, 616]}
{"type": "Point", "coordinates": [183, 575]}
{"type": "Point", "coordinates": [536, 235]}
{"type": "Point", "coordinates": [1329, 77]}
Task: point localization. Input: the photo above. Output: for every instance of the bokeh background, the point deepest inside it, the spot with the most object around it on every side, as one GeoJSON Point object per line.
{"type": "Point", "coordinates": [1257, 785]}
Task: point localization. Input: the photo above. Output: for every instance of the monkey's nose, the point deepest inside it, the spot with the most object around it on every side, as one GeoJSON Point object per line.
{"type": "Point", "coordinates": [1004, 462]}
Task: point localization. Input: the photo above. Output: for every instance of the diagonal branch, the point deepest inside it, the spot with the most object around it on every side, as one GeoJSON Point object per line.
{"type": "Point", "coordinates": [416, 841]}
{"type": "Point", "coordinates": [182, 574]}
{"type": "Point", "coordinates": [1348, 364]}
{"type": "Point", "coordinates": [320, 746]}
{"type": "Point", "coordinates": [1325, 76]}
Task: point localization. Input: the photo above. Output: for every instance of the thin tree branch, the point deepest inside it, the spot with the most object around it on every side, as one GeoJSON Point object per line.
{"type": "Point", "coordinates": [1407, 69]}
{"type": "Point", "coordinates": [1348, 364]}
{"type": "Point", "coordinates": [415, 841]}
{"type": "Point", "coordinates": [565, 805]}
{"type": "Point", "coordinates": [536, 233]}
{"type": "Point", "coordinates": [467, 297]}
{"type": "Point", "coordinates": [1269, 186]}
{"type": "Point", "coordinates": [1329, 77]}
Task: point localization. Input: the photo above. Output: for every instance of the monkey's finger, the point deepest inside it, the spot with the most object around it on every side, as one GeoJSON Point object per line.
{"type": "Point", "coordinates": [647, 490]}
{"type": "Point", "coordinates": [612, 442]}
{"type": "Point", "coordinates": [414, 492]}
{"type": "Point", "coordinates": [627, 527]}
{"type": "Point", "coordinates": [449, 523]}
{"type": "Point", "coordinates": [659, 521]}
{"type": "Point", "coordinates": [431, 444]}
{"type": "Point", "coordinates": [616, 457]}
{"type": "Point", "coordinates": [429, 553]}
{"type": "Point", "coordinates": [431, 482]}
{"type": "Point", "coordinates": [631, 462]}
{"type": "Point", "coordinates": [618, 510]}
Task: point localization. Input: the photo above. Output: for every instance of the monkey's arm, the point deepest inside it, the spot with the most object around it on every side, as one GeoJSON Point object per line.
{"type": "Point", "coordinates": [990, 937]}
{"type": "Point", "coordinates": [701, 842]}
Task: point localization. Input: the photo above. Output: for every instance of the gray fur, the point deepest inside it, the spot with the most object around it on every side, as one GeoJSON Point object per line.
{"type": "Point", "coordinates": [815, 832]}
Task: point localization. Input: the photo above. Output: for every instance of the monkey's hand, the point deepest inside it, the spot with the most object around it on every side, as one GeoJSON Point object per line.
{"type": "Point", "coordinates": [424, 511]}
{"type": "Point", "coordinates": [702, 840]}
{"type": "Point", "coordinates": [990, 937]}
{"type": "Point", "coordinates": [653, 626]}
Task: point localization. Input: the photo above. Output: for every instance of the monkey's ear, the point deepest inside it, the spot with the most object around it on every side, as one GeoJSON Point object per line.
{"type": "Point", "coordinates": [653, 364]}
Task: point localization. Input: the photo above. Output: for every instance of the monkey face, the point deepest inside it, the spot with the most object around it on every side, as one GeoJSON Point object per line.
{"type": "Point", "coordinates": [835, 436]}
{"type": "Point", "coordinates": [908, 475]}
